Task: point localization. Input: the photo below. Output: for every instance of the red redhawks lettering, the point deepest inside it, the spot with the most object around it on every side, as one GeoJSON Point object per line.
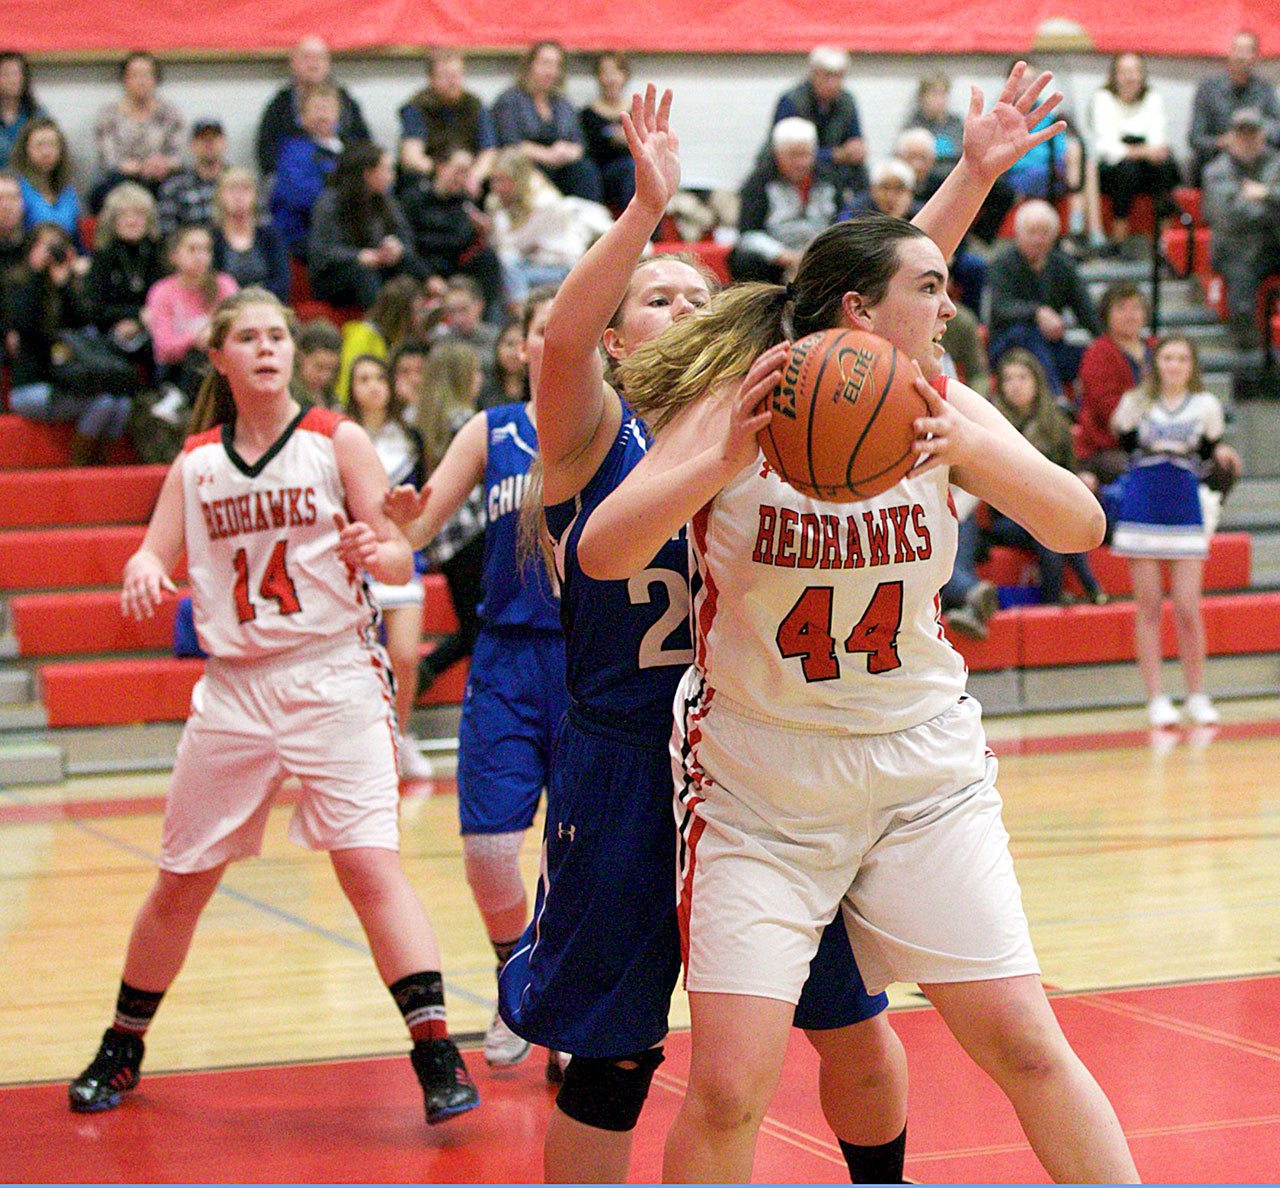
{"type": "Point", "coordinates": [897, 535]}
{"type": "Point", "coordinates": [259, 511]}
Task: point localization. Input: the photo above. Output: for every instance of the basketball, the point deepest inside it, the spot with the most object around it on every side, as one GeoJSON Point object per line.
{"type": "Point", "coordinates": [843, 416]}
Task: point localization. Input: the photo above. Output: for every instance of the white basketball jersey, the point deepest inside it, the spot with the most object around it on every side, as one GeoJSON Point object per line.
{"type": "Point", "coordinates": [262, 543]}
{"type": "Point", "coordinates": [826, 614]}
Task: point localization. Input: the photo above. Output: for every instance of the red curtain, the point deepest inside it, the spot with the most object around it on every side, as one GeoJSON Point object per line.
{"type": "Point", "coordinates": [728, 26]}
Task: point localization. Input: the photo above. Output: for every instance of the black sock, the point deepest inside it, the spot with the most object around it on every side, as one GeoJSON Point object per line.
{"type": "Point", "coordinates": [882, 1164]}
{"type": "Point", "coordinates": [420, 997]}
{"type": "Point", "coordinates": [503, 950]}
{"type": "Point", "coordinates": [135, 1009]}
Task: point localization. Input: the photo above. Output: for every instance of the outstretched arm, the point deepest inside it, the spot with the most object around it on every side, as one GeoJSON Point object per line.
{"type": "Point", "coordinates": [572, 397]}
{"type": "Point", "coordinates": [146, 573]}
{"type": "Point", "coordinates": [421, 515]}
{"type": "Point", "coordinates": [686, 467]}
{"type": "Point", "coordinates": [993, 141]}
{"type": "Point", "coordinates": [989, 458]}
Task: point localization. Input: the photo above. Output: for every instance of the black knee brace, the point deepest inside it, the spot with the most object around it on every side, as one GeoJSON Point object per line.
{"type": "Point", "coordinates": [608, 1094]}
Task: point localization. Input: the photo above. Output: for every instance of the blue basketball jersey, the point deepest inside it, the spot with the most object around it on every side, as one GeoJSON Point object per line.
{"type": "Point", "coordinates": [514, 595]}
{"type": "Point", "coordinates": [627, 642]}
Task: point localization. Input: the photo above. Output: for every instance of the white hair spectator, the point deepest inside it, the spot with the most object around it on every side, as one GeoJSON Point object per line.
{"type": "Point", "coordinates": [893, 169]}
{"type": "Point", "coordinates": [793, 131]}
{"type": "Point", "coordinates": [829, 59]}
{"type": "Point", "coordinates": [1036, 211]}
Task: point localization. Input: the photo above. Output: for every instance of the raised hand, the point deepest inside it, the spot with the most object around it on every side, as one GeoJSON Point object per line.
{"type": "Point", "coordinates": [402, 505]}
{"type": "Point", "coordinates": [746, 418]}
{"type": "Point", "coordinates": [995, 139]}
{"type": "Point", "coordinates": [654, 148]}
{"type": "Point", "coordinates": [145, 585]}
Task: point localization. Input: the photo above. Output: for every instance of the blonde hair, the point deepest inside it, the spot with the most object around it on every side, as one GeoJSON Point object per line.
{"type": "Point", "coordinates": [528, 179]}
{"type": "Point", "coordinates": [448, 387]}
{"type": "Point", "coordinates": [703, 349]}
{"type": "Point", "coordinates": [214, 403]}
{"type": "Point", "coordinates": [236, 175]}
{"type": "Point", "coordinates": [125, 196]}
{"type": "Point", "coordinates": [1149, 389]}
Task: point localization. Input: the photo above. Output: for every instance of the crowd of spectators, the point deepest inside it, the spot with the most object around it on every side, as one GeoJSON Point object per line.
{"type": "Point", "coordinates": [438, 238]}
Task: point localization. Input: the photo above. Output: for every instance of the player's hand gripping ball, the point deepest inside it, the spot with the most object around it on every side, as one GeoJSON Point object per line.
{"type": "Point", "coordinates": [842, 425]}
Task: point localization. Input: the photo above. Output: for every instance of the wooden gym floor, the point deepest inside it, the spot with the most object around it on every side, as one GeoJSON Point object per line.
{"type": "Point", "coordinates": [1148, 862]}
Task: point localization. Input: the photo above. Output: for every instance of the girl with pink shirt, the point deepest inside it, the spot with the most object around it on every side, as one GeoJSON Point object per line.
{"type": "Point", "coordinates": [179, 307]}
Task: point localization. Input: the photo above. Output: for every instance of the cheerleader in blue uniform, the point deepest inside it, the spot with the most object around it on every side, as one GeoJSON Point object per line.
{"type": "Point", "coordinates": [1173, 428]}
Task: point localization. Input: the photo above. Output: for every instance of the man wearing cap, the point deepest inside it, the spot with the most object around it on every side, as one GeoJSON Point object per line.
{"type": "Point", "coordinates": [186, 195]}
{"type": "Point", "coordinates": [1242, 208]}
{"type": "Point", "coordinates": [1219, 96]}
{"type": "Point", "coordinates": [823, 101]}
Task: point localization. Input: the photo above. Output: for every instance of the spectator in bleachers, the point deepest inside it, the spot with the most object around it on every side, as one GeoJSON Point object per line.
{"type": "Point", "coordinates": [1130, 142]}
{"type": "Point", "coordinates": [1173, 427]}
{"type": "Point", "coordinates": [41, 302]}
{"type": "Point", "coordinates": [1022, 395]}
{"type": "Point", "coordinates": [444, 116]}
{"type": "Point", "coordinates": [376, 408]}
{"type": "Point", "coordinates": [303, 164]}
{"type": "Point", "coordinates": [786, 201]}
{"type": "Point", "coordinates": [12, 223]}
{"type": "Point", "coordinates": [245, 246]}
{"type": "Point", "coordinates": [451, 381]}
{"type": "Point", "coordinates": [449, 230]}
{"type": "Point", "coordinates": [408, 374]}
{"type": "Point", "coordinates": [1242, 207]}
{"type": "Point", "coordinates": [508, 382]}
{"type": "Point", "coordinates": [179, 307]}
{"type": "Point", "coordinates": [359, 236]}
{"type": "Point", "coordinates": [538, 232]}
{"type": "Point", "coordinates": [963, 345]}
{"type": "Point", "coordinates": [461, 320]}
{"type": "Point", "coordinates": [534, 116]}
{"type": "Point", "coordinates": [389, 322]}
{"type": "Point", "coordinates": [1114, 363]}
{"type": "Point", "coordinates": [17, 103]}
{"type": "Point", "coordinates": [127, 260]}
{"type": "Point", "coordinates": [822, 100]}
{"type": "Point", "coordinates": [311, 67]}
{"type": "Point", "coordinates": [602, 130]}
{"type": "Point", "coordinates": [186, 195]}
{"type": "Point", "coordinates": [1220, 96]}
{"type": "Point", "coordinates": [932, 113]}
{"type": "Point", "coordinates": [947, 128]}
{"type": "Point", "coordinates": [319, 352]}
{"type": "Point", "coordinates": [892, 192]}
{"type": "Point", "coordinates": [139, 135]}
{"type": "Point", "coordinates": [1031, 284]}
{"type": "Point", "coordinates": [915, 146]}
{"type": "Point", "coordinates": [42, 164]}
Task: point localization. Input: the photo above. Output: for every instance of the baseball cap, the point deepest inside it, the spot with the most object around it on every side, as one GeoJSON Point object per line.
{"type": "Point", "coordinates": [200, 127]}
{"type": "Point", "coordinates": [1246, 117]}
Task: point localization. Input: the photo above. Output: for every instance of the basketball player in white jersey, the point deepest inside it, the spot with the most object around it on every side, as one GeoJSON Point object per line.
{"type": "Point", "coordinates": [825, 751]}
{"type": "Point", "coordinates": [296, 685]}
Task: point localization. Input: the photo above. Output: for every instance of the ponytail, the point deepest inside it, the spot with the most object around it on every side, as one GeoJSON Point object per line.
{"type": "Point", "coordinates": [692, 355]}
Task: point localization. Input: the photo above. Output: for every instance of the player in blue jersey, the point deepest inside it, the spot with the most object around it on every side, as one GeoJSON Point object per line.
{"type": "Point", "coordinates": [515, 696]}
{"type": "Point", "coordinates": [594, 972]}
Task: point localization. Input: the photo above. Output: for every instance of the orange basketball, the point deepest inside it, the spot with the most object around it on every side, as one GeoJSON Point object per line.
{"type": "Point", "coordinates": [842, 416]}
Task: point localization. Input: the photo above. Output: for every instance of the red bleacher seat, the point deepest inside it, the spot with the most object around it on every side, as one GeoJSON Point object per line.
{"type": "Point", "coordinates": [82, 496]}
{"type": "Point", "coordinates": [999, 650]}
{"type": "Point", "coordinates": [31, 445]}
{"type": "Point", "coordinates": [1142, 215]}
{"type": "Point", "coordinates": [1188, 199]}
{"type": "Point", "coordinates": [74, 623]}
{"type": "Point", "coordinates": [1227, 567]}
{"type": "Point", "coordinates": [1176, 244]}
{"type": "Point", "coordinates": [307, 306]}
{"type": "Point", "coordinates": [714, 255]}
{"type": "Point", "coordinates": [117, 692]}
{"type": "Point", "coordinates": [438, 617]}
